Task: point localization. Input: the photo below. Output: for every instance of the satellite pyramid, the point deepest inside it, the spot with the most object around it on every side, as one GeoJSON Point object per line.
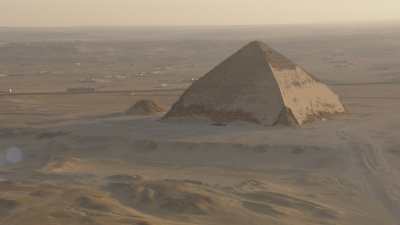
{"type": "Point", "coordinates": [144, 107]}
{"type": "Point", "coordinates": [258, 85]}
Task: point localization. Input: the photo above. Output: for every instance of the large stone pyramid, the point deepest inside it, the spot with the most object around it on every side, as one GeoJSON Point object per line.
{"type": "Point", "coordinates": [258, 85]}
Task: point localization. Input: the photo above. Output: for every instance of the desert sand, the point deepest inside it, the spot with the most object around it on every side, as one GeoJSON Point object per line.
{"type": "Point", "coordinates": [80, 159]}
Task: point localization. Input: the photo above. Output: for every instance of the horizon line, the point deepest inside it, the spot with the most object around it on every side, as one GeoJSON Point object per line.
{"type": "Point", "coordinates": [337, 23]}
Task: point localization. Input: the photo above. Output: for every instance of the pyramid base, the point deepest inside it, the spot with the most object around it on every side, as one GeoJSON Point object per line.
{"type": "Point", "coordinates": [286, 118]}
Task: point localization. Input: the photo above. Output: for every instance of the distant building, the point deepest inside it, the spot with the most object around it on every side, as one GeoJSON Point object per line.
{"type": "Point", "coordinates": [81, 90]}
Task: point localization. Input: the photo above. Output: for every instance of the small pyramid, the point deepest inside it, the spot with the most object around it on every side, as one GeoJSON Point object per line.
{"type": "Point", "coordinates": [257, 85]}
{"type": "Point", "coordinates": [144, 108]}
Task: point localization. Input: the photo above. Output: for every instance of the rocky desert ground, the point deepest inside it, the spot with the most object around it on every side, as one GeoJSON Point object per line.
{"type": "Point", "coordinates": [79, 158]}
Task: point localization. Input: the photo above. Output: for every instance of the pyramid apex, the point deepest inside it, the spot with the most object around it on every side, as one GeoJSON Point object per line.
{"type": "Point", "coordinates": [258, 44]}
{"type": "Point", "coordinates": [274, 58]}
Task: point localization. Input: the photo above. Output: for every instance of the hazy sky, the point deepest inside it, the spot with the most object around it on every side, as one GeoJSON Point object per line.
{"type": "Point", "coordinates": [192, 12]}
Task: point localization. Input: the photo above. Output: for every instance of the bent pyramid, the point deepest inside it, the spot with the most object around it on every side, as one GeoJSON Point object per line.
{"type": "Point", "coordinates": [259, 85]}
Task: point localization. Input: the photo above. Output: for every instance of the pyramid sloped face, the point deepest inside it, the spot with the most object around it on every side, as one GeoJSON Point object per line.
{"type": "Point", "coordinates": [307, 98]}
{"type": "Point", "coordinates": [241, 88]}
{"type": "Point", "coordinates": [257, 85]}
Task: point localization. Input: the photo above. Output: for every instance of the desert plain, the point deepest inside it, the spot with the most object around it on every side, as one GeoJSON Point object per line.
{"type": "Point", "coordinates": [78, 158]}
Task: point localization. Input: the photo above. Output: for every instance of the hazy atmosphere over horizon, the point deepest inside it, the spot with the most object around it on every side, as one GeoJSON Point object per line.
{"type": "Point", "coordinates": [191, 12]}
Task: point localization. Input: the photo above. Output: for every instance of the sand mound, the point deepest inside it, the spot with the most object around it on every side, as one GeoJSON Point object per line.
{"type": "Point", "coordinates": [167, 197]}
{"type": "Point", "coordinates": [144, 107]}
{"type": "Point", "coordinates": [122, 178]}
{"type": "Point", "coordinates": [64, 165]}
{"type": "Point", "coordinates": [72, 205]}
{"type": "Point", "coordinates": [264, 209]}
{"type": "Point", "coordinates": [266, 202]}
{"type": "Point", "coordinates": [179, 199]}
{"type": "Point", "coordinates": [126, 199]}
{"type": "Point", "coordinates": [251, 185]}
{"type": "Point", "coordinates": [92, 204]}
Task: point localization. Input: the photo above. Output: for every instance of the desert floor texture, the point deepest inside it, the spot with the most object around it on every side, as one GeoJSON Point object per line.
{"type": "Point", "coordinates": [80, 159]}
